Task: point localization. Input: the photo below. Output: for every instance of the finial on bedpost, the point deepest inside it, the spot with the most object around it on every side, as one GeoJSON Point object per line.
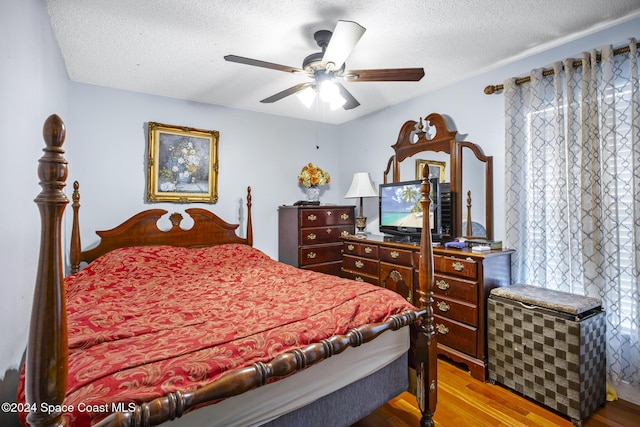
{"type": "Point", "coordinates": [426, 349]}
{"type": "Point", "coordinates": [47, 351]}
{"type": "Point", "coordinates": [52, 167]}
{"type": "Point", "coordinates": [249, 223]}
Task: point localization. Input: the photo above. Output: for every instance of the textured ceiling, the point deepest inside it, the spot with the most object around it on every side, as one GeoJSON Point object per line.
{"type": "Point", "coordinates": [175, 48]}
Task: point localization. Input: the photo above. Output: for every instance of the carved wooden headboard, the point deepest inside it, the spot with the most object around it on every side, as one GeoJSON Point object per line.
{"type": "Point", "coordinates": [142, 230]}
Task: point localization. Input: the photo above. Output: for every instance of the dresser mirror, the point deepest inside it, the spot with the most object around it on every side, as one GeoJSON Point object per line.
{"type": "Point", "coordinates": [468, 173]}
{"type": "Point", "coordinates": [476, 189]}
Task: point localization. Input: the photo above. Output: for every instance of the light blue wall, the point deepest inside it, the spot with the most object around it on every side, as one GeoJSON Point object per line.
{"type": "Point", "coordinates": [106, 148]}
{"type": "Point", "coordinates": [33, 85]}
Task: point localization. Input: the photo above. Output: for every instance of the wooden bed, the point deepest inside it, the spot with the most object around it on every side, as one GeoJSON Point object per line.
{"type": "Point", "coordinates": [47, 362]}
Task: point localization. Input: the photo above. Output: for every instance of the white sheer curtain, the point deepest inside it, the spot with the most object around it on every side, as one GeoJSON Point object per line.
{"type": "Point", "coordinates": [573, 190]}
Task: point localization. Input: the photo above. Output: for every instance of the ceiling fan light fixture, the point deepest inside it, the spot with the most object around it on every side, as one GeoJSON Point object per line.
{"type": "Point", "coordinates": [337, 102]}
{"type": "Point", "coordinates": [322, 67]}
{"type": "Point", "coordinates": [328, 90]}
{"type": "Point", "coordinates": [307, 96]}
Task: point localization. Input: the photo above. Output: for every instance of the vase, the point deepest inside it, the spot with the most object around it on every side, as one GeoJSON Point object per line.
{"type": "Point", "coordinates": [184, 177]}
{"type": "Point", "coordinates": [313, 193]}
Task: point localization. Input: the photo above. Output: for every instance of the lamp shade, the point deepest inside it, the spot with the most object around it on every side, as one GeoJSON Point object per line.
{"type": "Point", "coordinates": [307, 96]}
{"type": "Point", "coordinates": [361, 186]}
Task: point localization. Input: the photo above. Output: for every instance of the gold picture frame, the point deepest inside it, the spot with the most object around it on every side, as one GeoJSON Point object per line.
{"type": "Point", "coordinates": [182, 164]}
{"type": "Point", "coordinates": [436, 169]}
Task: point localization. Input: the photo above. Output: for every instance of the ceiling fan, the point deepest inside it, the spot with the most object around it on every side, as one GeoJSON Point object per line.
{"type": "Point", "coordinates": [326, 66]}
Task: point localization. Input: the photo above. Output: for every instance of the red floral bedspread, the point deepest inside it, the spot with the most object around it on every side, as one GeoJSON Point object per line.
{"type": "Point", "coordinates": [146, 321]}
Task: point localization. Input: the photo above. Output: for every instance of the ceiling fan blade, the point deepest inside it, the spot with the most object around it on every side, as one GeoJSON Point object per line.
{"type": "Point", "coordinates": [263, 64]}
{"type": "Point", "coordinates": [294, 89]}
{"type": "Point", "coordinates": [385, 75]}
{"type": "Point", "coordinates": [351, 102]}
{"type": "Point", "coordinates": [345, 37]}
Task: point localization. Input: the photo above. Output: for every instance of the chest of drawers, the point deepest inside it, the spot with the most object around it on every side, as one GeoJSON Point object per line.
{"type": "Point", "coordinates": [463, 280]}
{"type": "Point", "coordinates": [311, 236]}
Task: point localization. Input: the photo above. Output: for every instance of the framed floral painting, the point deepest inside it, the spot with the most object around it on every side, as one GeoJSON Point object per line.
{"type": "Point", "coordinates": [182, 164]}
{"type": "Point", "coordinates": [436, 169]}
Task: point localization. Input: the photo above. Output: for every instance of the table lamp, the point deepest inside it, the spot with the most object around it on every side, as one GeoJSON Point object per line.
{"type": "Point", "coordinates": [361, 187]}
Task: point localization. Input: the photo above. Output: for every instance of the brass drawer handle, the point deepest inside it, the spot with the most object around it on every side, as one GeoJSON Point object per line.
{"type": "Point", "coordinates": [395, 254]}
{"type": "Point", "coordinates": [368, 250]}
{"type": "Point", "coordinates": [458, 266]}
{"type": "Point", "coordinates": [311, 255]}
{"type": "Point", "coordinates": [312, 217]}
{"type": "Point", "coordinates": [442, 285]}
{"type": "Point", "coordinates": [351, 247]}
{"type": "Point", "coordinates": [344, 216]}
{"type": "Point", "coordinates": [359, 279]}
{"type": "Point", "coordinates": [359, 264]}
{"type": "Point", "coordinates": [328, 231]}
{"type": "Point", "coordinates": [442, 329]}
{"type": "Point", "coordinates": [311, 236]}
{"type": "Point", "coordinates": [443, 306]}
{"type": "Point", "coordinates": [345, 233]}
{"type": "Point", "coordinates": [329, 213]}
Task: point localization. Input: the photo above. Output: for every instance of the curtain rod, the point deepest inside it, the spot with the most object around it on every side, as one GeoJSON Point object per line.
{"type": "Point", "coordinates": [491, 89]}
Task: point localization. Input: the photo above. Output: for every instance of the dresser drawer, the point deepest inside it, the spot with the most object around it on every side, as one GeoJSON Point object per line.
{"type": "Point", "coordinates": [396, 256]}
{"type": "Point", "coordinates": [457, 310]}
{"type": "Point", "coordinates": [456, 335]}
{"type": "Point", "coordinates": [320, 254]}
{"type": "Point", "coordinates": [369, 251]}
{"type": "Point", "coordinates": [319, 235]}
{"type": "Point", "coordinates": [326, 216]}
{"type": "Point", "coordinates": [398, 279]}
{"type": "Point", "coordinates": [350, 248]}
{"type": "Point", "coordinates": [457, 266]}
{"type": "Point", "coordinates": [359, 277]}
{"type": "Point", "coordinates": [456, 288]}
{"type": "Point", "coordinates": [360, 265]}
{"type": "Point", "coordinates": [360, 249]}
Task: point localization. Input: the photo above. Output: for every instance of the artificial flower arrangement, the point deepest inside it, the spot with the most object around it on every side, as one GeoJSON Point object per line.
{"type": "Point", "coordinates": [313, 176]}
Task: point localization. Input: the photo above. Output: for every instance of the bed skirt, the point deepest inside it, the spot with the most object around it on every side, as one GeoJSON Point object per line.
{"type": "Point", "coordinates": [349, 404]}
{"type": "Point", "coordinates": [352, 384]}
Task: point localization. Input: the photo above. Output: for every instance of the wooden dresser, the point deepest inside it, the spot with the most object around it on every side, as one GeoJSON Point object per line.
{"type": "Point", "coordinates": [463, 280]}
{"type": "Point", "coordinates": [311, 236]}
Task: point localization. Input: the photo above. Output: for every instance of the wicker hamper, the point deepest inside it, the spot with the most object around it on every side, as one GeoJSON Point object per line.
{"type": "Point", "coordinates": [549, 346]}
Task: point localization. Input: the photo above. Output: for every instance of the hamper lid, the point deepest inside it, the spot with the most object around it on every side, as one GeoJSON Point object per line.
{"type": "Point", "coordinates": [555, 300]}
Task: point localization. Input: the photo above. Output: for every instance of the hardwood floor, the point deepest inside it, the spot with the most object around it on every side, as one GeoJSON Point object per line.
{"type": "Point", "coordinates": [464, 401]}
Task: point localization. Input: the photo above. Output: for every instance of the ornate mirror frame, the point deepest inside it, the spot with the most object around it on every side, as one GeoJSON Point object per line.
{"type": "Point", "coordinates": [413, 139]}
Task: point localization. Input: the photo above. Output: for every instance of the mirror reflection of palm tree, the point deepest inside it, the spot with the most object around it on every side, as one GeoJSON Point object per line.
{"type": "Point", "coordinates": [410, 195]}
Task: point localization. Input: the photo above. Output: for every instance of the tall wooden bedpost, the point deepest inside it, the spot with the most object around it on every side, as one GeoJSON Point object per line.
{"type": "Point", "coordinates": [47, 351]}
{"type": "Point", "coordinates": [426, 355]}
{"type": "Point", "coordinates": [75, 247]}
{"type": "Point", "coordinates": [249, 223]}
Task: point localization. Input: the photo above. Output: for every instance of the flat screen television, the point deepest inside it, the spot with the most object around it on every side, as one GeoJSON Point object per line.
{"type": "Point", "coordinates": [400, 212]}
